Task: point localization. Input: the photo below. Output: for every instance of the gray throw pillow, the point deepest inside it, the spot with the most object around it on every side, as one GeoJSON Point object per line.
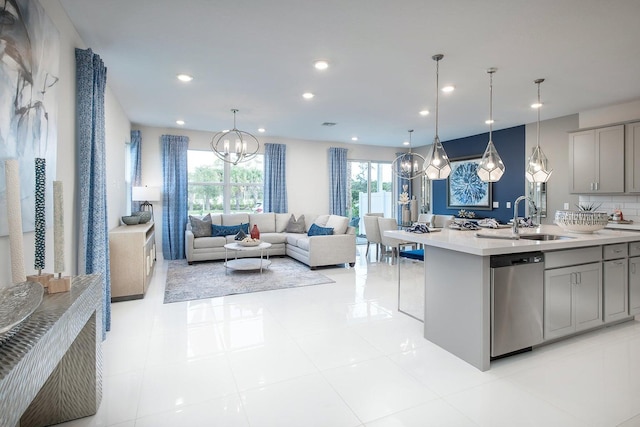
{"type": "Point", "coordinates": [296, 226]}
{"type": "Point", "coordinates": [201, 227]}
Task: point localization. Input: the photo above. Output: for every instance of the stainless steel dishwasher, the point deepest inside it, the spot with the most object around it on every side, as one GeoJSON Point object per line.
{"type": "Point", "coordinates": [517, 282]}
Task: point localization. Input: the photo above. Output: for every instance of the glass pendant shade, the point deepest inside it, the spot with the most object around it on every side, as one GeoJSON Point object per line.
{"type": "Point", "coordinates": [436, 165]}
{"type": "Point", "coordinates": [491, 168]}
{"type": "Point", "coordinates": [537, 168]}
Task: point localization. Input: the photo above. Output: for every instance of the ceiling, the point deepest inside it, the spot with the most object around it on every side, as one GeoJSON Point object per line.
{"type": "Point", "coordinates": [257, 56]}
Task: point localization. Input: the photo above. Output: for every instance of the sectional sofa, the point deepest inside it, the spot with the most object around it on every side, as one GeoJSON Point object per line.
{"type": "Point", "coordinates": [286, 237]}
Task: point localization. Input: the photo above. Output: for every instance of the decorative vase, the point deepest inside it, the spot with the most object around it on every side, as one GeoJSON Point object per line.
{"type": "Point", "coordinates": [413, 208]}
{"type": "Point", "coordinates": [255, 233]}
{"type": "Point", "coordinates": [406, 215]}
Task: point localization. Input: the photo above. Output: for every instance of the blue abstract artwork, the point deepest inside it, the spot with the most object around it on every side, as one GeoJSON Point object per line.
{"type": "Point", "coordinates": [464, 187]}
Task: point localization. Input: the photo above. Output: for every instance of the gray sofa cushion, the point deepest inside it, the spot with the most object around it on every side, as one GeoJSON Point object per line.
{"type": "Point", "coordinates": [201, 227]}
{"type": "Point", "coordinates": [296, 225]}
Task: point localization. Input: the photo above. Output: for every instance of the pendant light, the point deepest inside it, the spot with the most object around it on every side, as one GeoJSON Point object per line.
{"type": "Point", "coordinates": [408, 165]}
{"type": "Point", "coordinates": [537, 164]}
{"type": "Point", "coordinates": [436, 165]}
{"type": "Point", "coordinates": [245, 146]}
{"type": "Point", "coordinates": [491, 168]}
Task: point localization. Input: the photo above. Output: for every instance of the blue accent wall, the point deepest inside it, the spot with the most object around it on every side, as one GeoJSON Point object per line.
{"type": "Point", "coordinates": [510, 144]}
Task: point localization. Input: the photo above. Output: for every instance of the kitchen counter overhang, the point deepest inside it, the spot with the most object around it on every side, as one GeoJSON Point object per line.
{"type": "Point", "coordinates": [467, 242]}
{"type": "Point", "coordinates": [457, 277]}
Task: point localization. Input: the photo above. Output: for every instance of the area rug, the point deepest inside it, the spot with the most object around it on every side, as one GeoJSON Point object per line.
{"type": "Point", "coordinates": [209, 280]}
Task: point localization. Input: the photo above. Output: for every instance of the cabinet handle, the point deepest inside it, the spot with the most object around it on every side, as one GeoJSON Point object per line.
{"type": "Point", "coordinates": [573, 278]}
{"type": "Point", "coordinates": [591, 186]}
{"type": "Point", "coordinates": [633, 268]}
{"type": "Point", "coordinates": [597, 186]}
{"type": "Point", "coordinates": [579, 277]}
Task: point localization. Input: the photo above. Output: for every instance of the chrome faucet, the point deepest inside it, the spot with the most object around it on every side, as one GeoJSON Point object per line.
{"type": "Point", "coordinates": [515, 212]}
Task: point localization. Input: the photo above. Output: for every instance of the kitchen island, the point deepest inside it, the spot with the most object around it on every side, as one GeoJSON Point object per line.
{"type": "Point", "coordinates": [458, 279]}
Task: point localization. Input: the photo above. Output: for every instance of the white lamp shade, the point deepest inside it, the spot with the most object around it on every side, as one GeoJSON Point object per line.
{"type": "Point", "coordinates": [145, 194]}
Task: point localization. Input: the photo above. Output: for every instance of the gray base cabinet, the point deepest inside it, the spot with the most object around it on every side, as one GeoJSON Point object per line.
{"type": "Point", "coordinates": [634, 285]}
{"type": "Point", "coordinates": [615, 289]}
{"type": "Point", "coordinates": [572, 299]}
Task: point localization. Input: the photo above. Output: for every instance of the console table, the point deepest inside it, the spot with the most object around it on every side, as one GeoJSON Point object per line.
{"type": "Point", "coordinates": [132, 256]}
{"type": "Point", "coordinates": [51, 369]}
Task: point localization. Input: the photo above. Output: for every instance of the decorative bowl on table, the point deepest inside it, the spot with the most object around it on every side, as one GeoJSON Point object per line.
{"type": "Point", "coordinates": [17, 303]}
{"type": "Point", "coordinates": [145, 216]}
{"type": "Point", "coordinates": [581, 221]}
{"type": "Point", "coordinates": [249, 242]}
{"type": "Point", "coordinates": [131, 220]}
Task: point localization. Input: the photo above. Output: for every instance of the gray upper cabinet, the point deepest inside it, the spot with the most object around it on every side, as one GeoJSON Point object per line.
{"type": "Point", "coordinates": [596, 159]}
{"type": "Point", "coordinates": [632, 158]}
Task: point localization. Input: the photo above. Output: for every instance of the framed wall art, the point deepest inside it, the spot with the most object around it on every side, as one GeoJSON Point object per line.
{"type": "Point", "coordinates": [465, 190]}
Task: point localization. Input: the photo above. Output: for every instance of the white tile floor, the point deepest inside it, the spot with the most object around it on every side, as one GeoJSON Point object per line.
{"type": "Point", "coordinates": [341, 354]}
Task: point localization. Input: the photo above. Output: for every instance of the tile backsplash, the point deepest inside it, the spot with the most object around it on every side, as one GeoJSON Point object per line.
{"type": "Point", "coordinates": [628, 204]}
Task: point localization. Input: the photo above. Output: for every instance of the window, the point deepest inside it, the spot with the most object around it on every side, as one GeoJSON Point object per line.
{"type": "Point", "coordinates": [219, 187]}
{"type": "Point", "coordinates": [371, 190]}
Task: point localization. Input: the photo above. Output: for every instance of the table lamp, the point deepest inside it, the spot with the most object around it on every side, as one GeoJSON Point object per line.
{"type": "Point", "coordinates": [145, 194]}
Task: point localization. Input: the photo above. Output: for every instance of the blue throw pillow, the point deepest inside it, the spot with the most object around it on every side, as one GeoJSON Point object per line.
{"type": "Point", "coordinates": [316, 230]}
{"type": "Point", "coordinates": [228, 230]}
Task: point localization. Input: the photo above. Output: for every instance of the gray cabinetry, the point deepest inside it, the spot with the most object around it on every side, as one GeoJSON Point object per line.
{"type": "Point", "coordinates": [615, 289]}
{"type": "Point", "coordinates": [572, 299]}
{"type": "Point", "coordinates": [595, 159]}
{"type": "Point", "coordinates": [615, 282]}
{"type": "Point", "coordinates": [632, 158]}
{"type": "Point", "coordinates": [634, 278]}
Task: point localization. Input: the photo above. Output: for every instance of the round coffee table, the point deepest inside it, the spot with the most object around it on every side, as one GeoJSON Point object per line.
{"type": "Point", "coordinates": [246, 264]}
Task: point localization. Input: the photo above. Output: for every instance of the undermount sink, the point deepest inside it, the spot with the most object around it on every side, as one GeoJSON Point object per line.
{"type": "Point", "coordinates": [536, 236]}
{"type": "Point", "coordinates": [544, 237]}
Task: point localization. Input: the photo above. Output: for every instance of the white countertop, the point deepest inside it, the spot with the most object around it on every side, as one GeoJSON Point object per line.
{"type": "Point", "coordinates": [467, 242]}
{"type": "Point", "coordinates": [634, 226]}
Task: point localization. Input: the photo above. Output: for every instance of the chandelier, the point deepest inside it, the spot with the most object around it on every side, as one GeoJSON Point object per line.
{"type": "Point", "coordinates": [491, 168]}
{"type": "Point", "coordinates": [408, 165]}
{"type": "Point", "coordinates": [436, 165]}
{"type": "Point", "coordinates": [235, 146]}
{"type": "Point", "coordinates": [537, 170]}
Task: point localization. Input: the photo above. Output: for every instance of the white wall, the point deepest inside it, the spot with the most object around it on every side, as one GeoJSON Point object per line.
{"type": "Point", "coordinates": [118, 129]}
{"type": "Point", "coordinates": [554, 141]}
{"type": "Point", "coordinates": [611, 114]}
{"type": "Point", "coordinates": [307, 166]}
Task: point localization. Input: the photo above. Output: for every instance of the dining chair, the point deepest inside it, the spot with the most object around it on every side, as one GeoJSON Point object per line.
{"type": "Point", "coordinates": [388, 224]}
{"type": "Point", "coordinates": [442, 221]}
{"type": "Point", "coordinates": [426, 219]}
{"type": "Point", "coordinates": [372, 232]}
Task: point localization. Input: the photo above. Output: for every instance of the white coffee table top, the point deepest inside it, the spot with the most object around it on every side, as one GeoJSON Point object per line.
{"type": "Point", "coordinates": [238, 247]}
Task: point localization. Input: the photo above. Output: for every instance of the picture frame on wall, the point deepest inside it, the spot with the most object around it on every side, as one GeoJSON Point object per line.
{"type": "Point", "coordinates": [465, 190]}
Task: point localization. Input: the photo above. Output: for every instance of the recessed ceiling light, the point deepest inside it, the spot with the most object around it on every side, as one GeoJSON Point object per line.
{"type": "Point", "coordinates": [447, 89]}
{"type": "Point", "coordinates": [405, 143]}
{"type": "Point", "coordinates": [354, 138]}
{"type": "Point", "coordinates": [261, 130]}
{"type": "Point", "coordinates": [424, 112]}
{"type": "Point", "coordinates": [489, 122]}
{"type": "Point", "coordinates": [184, 77]}
{"type": "Point", "coordinates": [307, 95]}
{"type": "Point", "coordinates": [536, 105]}
{"type": "Point", "coordinates": [180, 122]}
{"type": "Point", "coordinates": [321, 64]}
